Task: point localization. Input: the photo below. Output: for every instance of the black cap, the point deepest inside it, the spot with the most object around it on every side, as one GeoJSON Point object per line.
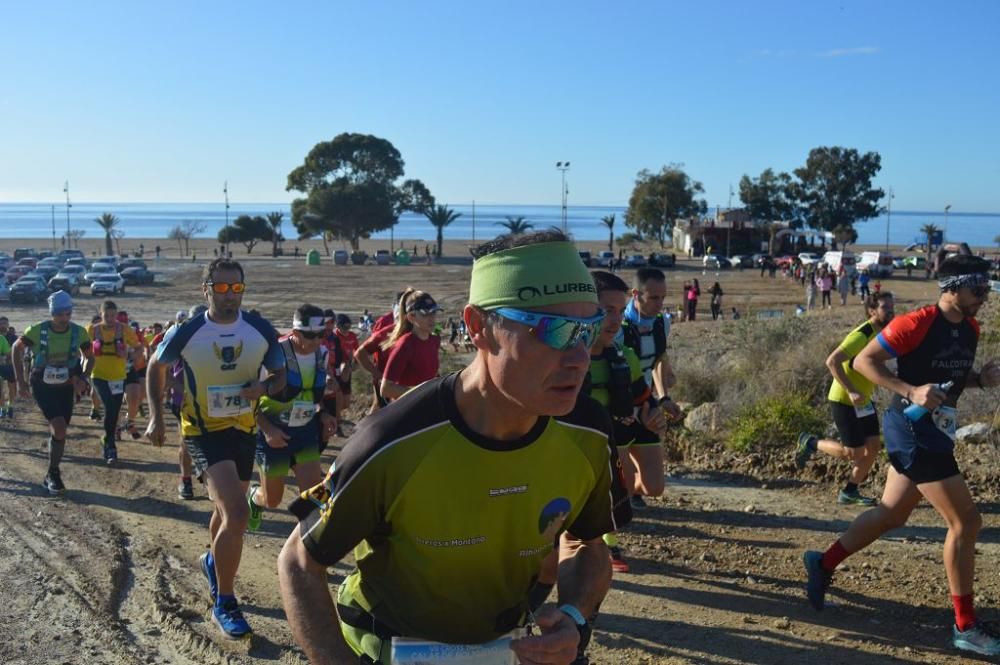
{"type": "Point", "coordinates": [328, 313]}
{"type": "Point", "coordinates": [343, 320]}
{"type": "Point", "coordinates": [423, 303]}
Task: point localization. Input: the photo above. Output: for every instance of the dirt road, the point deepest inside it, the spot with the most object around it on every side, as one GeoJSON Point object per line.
{"type": "Point", "coordinates": [109, 573]}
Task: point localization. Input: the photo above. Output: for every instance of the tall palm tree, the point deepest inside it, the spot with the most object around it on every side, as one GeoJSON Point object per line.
{"type": "Point", "coordinates": [440, 217]}
{"type": "Point", "coordinates": [929, 230]}
{"type": "Point", "coordinates": [108, 222]}
{"type": "Point", "coordinates": [516, 225]}
{"type": "Point", "coordinates": [274, 220]}
{"type": "Point", "coordinates": [609, 221]}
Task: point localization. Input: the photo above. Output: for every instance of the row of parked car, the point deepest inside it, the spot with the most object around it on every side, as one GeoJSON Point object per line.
{"type": "Point", "coordinates": [876, 264]}
{"type": "Point", "coordinates": [29, 276]}
{"type": "Point", "coordinates": [605, 259]}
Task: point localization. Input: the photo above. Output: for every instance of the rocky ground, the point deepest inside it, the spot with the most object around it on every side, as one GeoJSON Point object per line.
{"type": "Point", "coordinates": [109, 573]}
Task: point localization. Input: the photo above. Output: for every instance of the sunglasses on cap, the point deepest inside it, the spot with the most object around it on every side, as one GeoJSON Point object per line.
{"type": "Point", "coordinates": [562, 333]}
{"type": "Point", "coordinates": [225, 287]}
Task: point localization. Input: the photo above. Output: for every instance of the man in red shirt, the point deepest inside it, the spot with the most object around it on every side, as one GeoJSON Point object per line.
{"type": "Point", "coordinates": [349, 344]}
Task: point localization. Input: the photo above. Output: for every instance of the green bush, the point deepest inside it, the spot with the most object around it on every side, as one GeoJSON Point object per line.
{"type": "Point", "coordinates": [774, 420]}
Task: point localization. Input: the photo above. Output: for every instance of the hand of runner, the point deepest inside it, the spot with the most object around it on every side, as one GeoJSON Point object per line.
{"type": "Point", "coordinates": [857, 399]}
{"type": "Point", "coordinates": [81, 387]}
{"type": "Point", "coordinates": [671, 409]}
{"type": "Point", "coordinates": [253, 391]}
{"type": "Point", "coordinates": [556, 645]}
{"type": "Point", "coordinates": [652, 419]}
{"type": "Point", "coordinates": [928, 396]}
{"type": "Point", "coordinates": [156, 431]}
{"type": "Point", "coordinates": [328, 425]}
{"type": "Point", "coordinates": [275, 437]}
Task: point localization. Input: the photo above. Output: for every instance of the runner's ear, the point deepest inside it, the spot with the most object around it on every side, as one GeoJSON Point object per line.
{"type": "Point", "coordinates": [478, 326]}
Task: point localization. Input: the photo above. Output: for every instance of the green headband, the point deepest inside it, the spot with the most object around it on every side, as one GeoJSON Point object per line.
{"type": "Point", "coordinates": [536, 275]}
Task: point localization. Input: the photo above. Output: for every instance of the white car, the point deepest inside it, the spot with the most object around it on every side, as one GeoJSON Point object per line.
{"type": "Point", "coordinates": [97, 271]}
{"type": "Point", "coordinates": [107, 285]}
{"type": "Point", "coordinates": [808, 257]}
{"type": "Point", "coordinates": [605, 258]}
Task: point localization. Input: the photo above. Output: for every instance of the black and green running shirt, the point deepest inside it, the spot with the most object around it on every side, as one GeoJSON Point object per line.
{"type": "Point", "coordinates": [451, 527]}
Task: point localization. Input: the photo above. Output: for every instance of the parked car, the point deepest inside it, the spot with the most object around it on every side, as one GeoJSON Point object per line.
{"type": "Point", "coordinates": [29, 289]}
{"type": "Point", "coordinates": [917, 262]}
{"type": "Point", "coordinates": [585, 257]}
{"type": "Point", "coordinates": [5, 263]}
{"type": "Point", "coordinates": [838, 259]}
{"type": "Point", "coordinates": [47, 271]}
{"type": "Point", "coordinates": [50, 261]}
{"type": "Point", "coordinates": [76, 261]}
{"type": "Point", "coordinates": [68, 254]}
{"type": "Point", "coordinates": [22, 252]}
{"type": "Point", "coordinates": [97, 271]}
{"type": "Point", "coordinates": [4, 291]}
{"type": "Point", "coordinates": [131, 263]}
{"type": "Point", "coordinates": [636, 261]}
{"type": "Point", "coordinates": [716, 262]}
{"type": "Point", "coordinates": [876, 264]}
{"type": "Point", "coordinates": [136, 275]}
{"type": "Point", "coordinates": [107, 284]}
{"type": "Point", "coordinates": [744, 260]}
{"type": "Point", "coordinates": [28, 261]}
{"type": "Point", "coordinates": [759, 259]}
{"type": "Point", "coordinates": [663, 261]}
{"type": "Point", "coordinates": [15, 273]}
{"type": "Point", "coordinates": [68, 282]}
{"type": "Point", "coordinates": [71, 269]}
{"type": "Point", "coordinates": [785, 261]}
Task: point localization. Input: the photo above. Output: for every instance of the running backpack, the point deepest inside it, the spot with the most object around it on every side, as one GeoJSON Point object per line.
{"type": "Point", "coordinates": [41, 356]}
{"type": "Point", "coordinates": [633, 338]}
{"type": "Point", "coordinates": [293, 376]}
{"type": "Point", "coordinates": [618, 385]}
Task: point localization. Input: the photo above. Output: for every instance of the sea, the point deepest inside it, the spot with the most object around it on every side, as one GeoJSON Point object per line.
{"type": "Point", "coordinates": [479, 222]}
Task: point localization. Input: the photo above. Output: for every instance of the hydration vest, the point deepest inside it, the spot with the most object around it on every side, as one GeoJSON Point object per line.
{"type": "Point", "coordinates": [119, 343]}
{"type": "Point", "coordinates": [633, 338]}
{"type": "Point", "coordinates": [618, 385]}
{"type": "Point", "coordinates": [42, 353]}
{"type": "Point", "coordinates": [293, 376]}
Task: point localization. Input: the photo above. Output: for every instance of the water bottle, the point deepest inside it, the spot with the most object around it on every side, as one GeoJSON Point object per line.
{"type": "Point", "coordinates": [915, 412]}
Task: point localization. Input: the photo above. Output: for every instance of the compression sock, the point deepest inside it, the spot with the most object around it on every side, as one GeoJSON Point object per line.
{"type": "Point", "coordinates": [833, 556]}
{"type": "Point", "coordinates": [851, 488]}
{"type": "Point", "coordinates": [610, 539]}
{"type": "Point", "coordinates": [185, 479]}
{"type": "Point", "coordinates": [965, 613]}
{"type": "Point", "coordinates": [56, 448]}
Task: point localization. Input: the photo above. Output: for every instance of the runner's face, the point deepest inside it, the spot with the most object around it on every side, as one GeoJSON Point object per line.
{"type": "Point", "coordinates": [4, 324]}
{"type": "Point", "coordinates": [423, 322]}
{"type": "Point", "coordinates": [303, 345]}
{"type": "Point", "coordinates": [541, 380]}
{"type": "Point", "coordinates": [108, 316]}
{"type": "Point", "coordinates": [60, 321]}
{"type": "Point", "coordinates": [885, 312]}
{"type": "Point", "coordinates": [650, 297]}
{"type": "Point", "coordinates": [225, 305]}
{"type": "Point", "coordinates": [613, 303]}
{"type": "Point", "coordinates": [969, 300]}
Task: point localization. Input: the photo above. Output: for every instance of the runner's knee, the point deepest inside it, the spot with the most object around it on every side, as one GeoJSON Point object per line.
{"type": "Point", "coordinates": [966, 523]}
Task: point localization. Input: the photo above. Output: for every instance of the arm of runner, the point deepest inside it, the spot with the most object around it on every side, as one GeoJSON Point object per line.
{"type": "Point", "coordinates": [871, 364]}
{"type": "Point", "coordinates": [365, 360]}
{"type": "Point", "coordinates": [273, 435]}
{"type": "Point", "coordinates": [17, 357]}
{"type": "Point", "coordinates": [308, 605]}
{"type": "Point", "coordinates": [835, 363]}
{"type": "Point", "coordinates": [156, 380]}
{"type": "Point", "coordinates": [391, 389]}
{"type": "Point", "coordinates": [663, 375]}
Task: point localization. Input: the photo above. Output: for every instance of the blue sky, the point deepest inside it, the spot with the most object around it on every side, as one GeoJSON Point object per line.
{"type": "Point", "coordinates": [165, 101]}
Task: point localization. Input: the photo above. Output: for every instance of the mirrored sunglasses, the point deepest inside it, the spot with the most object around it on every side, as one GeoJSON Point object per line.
{"type": "Point", "coordinates": [562, 333]}
{"type": "Point", "coordinates": [225, 287]}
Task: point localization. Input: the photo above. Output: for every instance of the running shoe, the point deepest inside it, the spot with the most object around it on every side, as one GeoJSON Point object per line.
{"type": "Point", "coordinates": [256, 512]}
{"type": "Point", "coordinates": [638, 503]}
{"type": "Point", "coordinates": [185, 490]}
{"type": "Point", "coordinates": [981, 638]}
{"type": "Point", "coordinates": [618, 562]}
{"type": "Point", "coordinates": [208, 570]}
{"type": "Point", "coordinates": [818, 579]}
{"type": "Point", "coordinates": [110, 454]}
{"type": "Point", "coordinates": [805, 449]}
{"type": "Point", "coordinates": [10, 412]}
{"type": "Point", "coordinates": [854, 498]}
{"type": "Point", "coordinates": [132, 431]}
{"type": "Point", "coordinates": [53, 483]}
{"type": "Point", "coordinates": [230, 621]}
{"type": "Point", "coordinates": [3, 411]}
{"type": "Point", "coordinates": [95, 414]}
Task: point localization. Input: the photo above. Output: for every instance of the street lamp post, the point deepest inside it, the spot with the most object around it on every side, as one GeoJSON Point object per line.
{"type": "Point", "coordinates": [473, 222]}
{"type": "Point", "coordinates": [53, 229]}
{"type": "Point", "coordinates": [563, 167]}
{"type": "Point", "coordinates": [68, 206]}
{"type": "Point", "coordinates": [225, 191]}
{"type": "Point", "coordinates": [888, 217]}
{"type": "Point", "coordinates": [944, 236]}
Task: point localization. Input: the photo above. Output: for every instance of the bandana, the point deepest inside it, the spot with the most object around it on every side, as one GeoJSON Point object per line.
{"type": "Point", "coordinates": [313, 324]}
{"type": "Point", "coordinates": [955, 282]}
{"type": "Point", "coordinates": [539, 275]}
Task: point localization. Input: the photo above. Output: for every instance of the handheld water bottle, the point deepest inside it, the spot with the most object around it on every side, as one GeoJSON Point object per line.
{"type": "Point", "coordinates": [915, 412]}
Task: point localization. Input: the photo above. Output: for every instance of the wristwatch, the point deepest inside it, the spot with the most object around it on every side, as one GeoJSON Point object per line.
{"type": "Point", "coordinates": [582, 625]}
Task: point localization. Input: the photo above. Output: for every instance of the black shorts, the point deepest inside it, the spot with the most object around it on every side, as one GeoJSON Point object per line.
{"type": "Point", "coordinates": [853, 430]}
{"type": "Point", "coordinates": [225, 445]}
{"type": "Point", "coordinates": [135, 376]}
{"type": "Point", "coordinates": [926, 466]}
{"type": "Point", "coordinates": [7, 373]}
{"type": "Point", "coordinates": [634, 434]}
{"type": "Point", "coordinates": [54, 401]}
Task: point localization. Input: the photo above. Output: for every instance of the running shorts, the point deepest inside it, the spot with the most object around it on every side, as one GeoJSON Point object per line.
{"type": "Point", "coordinates": [303, 446]}
{"type": "Point", "coordinates": [853, 430]}
{"type": "Point", "coordinates": [225, 445]}
{"type": "Point", "coordinates": [918, 450]}
{"type": "Point", "coordinates": [634, 434]}
{"type": "Point", "coordinates": [54, 401]}
{"type": "Point", "coordinates": [135, 376]}
{"type": "Point", "coordinates": [7, 373]}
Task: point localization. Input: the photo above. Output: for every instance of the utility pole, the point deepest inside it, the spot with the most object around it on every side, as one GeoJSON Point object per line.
{"type": "Point", "coordinates": [729, 225]}
{"type": "Point", "coordinates": [473, 222]}
{"type": "Point", "coordinates": [888, 218]}
{"type": "Point", "coordinates": [53, 229]}
{"type": "Point", "coordinates": [563, 167]}
{"type": "Point", "coordinates": [225, 191]}
{"type": "Point", "coordinates": [944, 236]}
{"type": "Point", "coordinates": [68, 206]}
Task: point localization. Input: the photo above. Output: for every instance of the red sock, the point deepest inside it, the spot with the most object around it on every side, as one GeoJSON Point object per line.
{"type": "Point", "coordinates": [833, 556]}
{"type": "Point", "coordinates": [965, 613]}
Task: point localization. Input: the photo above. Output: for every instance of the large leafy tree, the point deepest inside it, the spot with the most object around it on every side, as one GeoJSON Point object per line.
{"type": "Point", "coordinates": [441, 216]}
{"type": "Point", "coordinates": [834, 187]}
{"type": "Point", "coordinates": [246, 230]}
{"type": "Point", "coordinates": [108, 223]}
{"type": "Point", "coordinates": [609, 221]}
{"type": "Point", "coordinates": [770, 197]}
{"type": "Point", "coordinates": [274, 220]}
{"type": "Point", "coordinates": [351, 191]}
{"type": "Point", "coordinates": [516, 225]}
{"type": "Point", "coordinates": [658, 200]}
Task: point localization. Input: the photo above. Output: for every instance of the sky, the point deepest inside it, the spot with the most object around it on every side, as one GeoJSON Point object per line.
{"type": "Point", "coordinates": [134, 102]}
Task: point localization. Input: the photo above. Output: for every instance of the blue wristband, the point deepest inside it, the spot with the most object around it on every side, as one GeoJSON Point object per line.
{"type": "Point", "coordinates": [573, 614]}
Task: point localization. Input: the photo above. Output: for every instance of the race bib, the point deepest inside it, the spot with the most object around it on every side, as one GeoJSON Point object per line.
{"type": "Point", "coordinates": [225, 401]}
{"type": "Point", "coordinates": [946, 419]}
{"type": "Point", "coordinates": [866, 410]}
{"type": "Point", "coordinates": [117, 387]}
{"type": "Point", "coordinates": [55, 375]}
{"type": "Point", "coordinates": [497, 652]}
{"type": "Point", "coordinates": [301, 413]}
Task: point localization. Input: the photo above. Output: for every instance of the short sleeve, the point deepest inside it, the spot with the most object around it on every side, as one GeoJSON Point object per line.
{"type": "Point", "coordinates": [399, 358]}
{"type": "Point", "coordinates": [853, 343]}
{"type": "Point", "coordinates": [31, 335]}
{"type": "Point", "coordinates": [169, 350]}
{"type": "Point", "coordinates": [131, 339]}
{"type": "Point", "coordinates": [905, 333]}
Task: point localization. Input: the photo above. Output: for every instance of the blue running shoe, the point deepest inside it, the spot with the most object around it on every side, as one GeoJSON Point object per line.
{"type": "Point", "coordinates": [229, 619]}
{"type": "Point", "coordinates": [818, 579]}
{"type": "Point", "coordinates": [804, 449]}
{"type": "Point", "coordinates": [208, 569]}
{"type": "Point", "coordinates": [980, 638]}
